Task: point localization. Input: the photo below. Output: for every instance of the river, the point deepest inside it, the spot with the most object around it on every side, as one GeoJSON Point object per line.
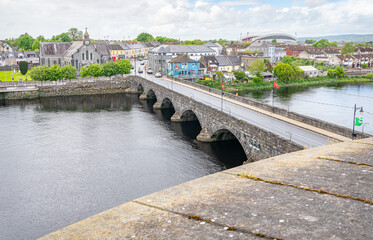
{"type": "Point", "coordinates": [333, 103]}
{"type": "Point", "coordinates": [64, 159]}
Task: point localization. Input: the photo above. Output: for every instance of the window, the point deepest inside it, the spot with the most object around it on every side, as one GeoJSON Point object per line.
{"type": "Point", "coordinates": [76, 64]}
{"type": "Point", "coordinates": [82, 56]}
{"type": "Point", "coordinates": [59, 61]}
{"type": "Point", "coordinates": [86, 54]}
{"type": "Point", "coordinates": [49, 62]}
{"type": "Point", "coordinates": [98, 61]}
{"type": "Point", "coordinates": [91, 56]}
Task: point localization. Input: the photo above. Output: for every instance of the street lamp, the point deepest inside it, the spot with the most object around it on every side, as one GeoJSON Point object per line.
{"type": "Point", "coordinates": [354, 121]}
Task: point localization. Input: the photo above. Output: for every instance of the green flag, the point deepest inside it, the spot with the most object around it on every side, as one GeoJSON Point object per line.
{"type": "Point", "coordinates": [358, 121]}
{"type": "Point", "coordinates": [171, 72]}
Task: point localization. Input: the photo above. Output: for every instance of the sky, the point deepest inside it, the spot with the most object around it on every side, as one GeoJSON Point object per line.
{"type": "Point", "coordinates": [185, 19]}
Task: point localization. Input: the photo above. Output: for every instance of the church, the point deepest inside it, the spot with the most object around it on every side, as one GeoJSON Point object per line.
{"type": "Point", "coordinates": [78, 53]}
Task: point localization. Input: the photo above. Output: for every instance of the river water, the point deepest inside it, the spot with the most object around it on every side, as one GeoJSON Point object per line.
{"type": "Point", "coordinates": [333, 103]}
{"type": "Point", "coordinates": [67, 158]}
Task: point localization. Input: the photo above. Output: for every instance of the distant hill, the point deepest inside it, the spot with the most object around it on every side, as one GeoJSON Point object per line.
{"type": "Point", "coordinates": [340, 38]}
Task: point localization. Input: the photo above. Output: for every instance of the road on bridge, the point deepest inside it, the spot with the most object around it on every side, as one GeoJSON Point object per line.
{"type": "Point", "coordinates": [286, 130]}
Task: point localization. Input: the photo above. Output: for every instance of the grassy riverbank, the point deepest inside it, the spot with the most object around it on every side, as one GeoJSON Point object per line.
{"type": "Point", "coordinates": [6, 76]}
{"type": "Point", "coordinates": [245, 87]}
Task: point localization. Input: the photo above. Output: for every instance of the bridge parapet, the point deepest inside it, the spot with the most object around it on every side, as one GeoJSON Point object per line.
{"type": "Point", "coordinates": [217, 125]}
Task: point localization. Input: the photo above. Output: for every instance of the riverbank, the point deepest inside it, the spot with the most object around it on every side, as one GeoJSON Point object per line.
{"type": "Point", "coordinates": [320, 193]}
{"type": "Point", "coordinates": [247, 87]}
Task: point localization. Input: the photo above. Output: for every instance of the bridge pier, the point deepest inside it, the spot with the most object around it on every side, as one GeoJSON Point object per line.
{"type": "Point", "coordinates": [132, 90]}
{"type": "Point", "coordinates": [144, 96]}
{"type": "Point", "coordinates": [176, 117]}
{"type": "Point", "coordinates": [204, 136]}
{"type": "Point", "coordinates": [157, 105]}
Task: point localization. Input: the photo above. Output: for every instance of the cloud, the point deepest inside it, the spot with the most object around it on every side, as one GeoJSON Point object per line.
{"type": "Point", "coordinates": [203, 19]}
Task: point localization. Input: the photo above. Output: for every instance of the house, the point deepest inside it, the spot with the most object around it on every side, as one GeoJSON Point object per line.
{"type": "Point", "coordinates": [4, 47]}
{"type": "Point", "coordinates": [214, 47]}
{"type": "Point", "coordinates": [312, 53]}
{"type": "Point", "coordinates": [160, 56]}
{"type": "Point", "coordinates": [117, 51]}
{"type": "Point", "coordinates": [248, 59]}
{"type": "Point", "coordinates": [182, 66]}
{"type": "Point", "coordinates": [138, 50]}
{"type": "Point", "coordinates": [210, 63]}
{"type": "Point", "coordinates": [268, 49]}
{"type": "Point", "coordinates": [225, 64]}
{"type": "Point", "coordinates": [78, 53]}
{"type": "Point", "coordinates": [353, 61]}
{"type": "Point", "coordinates": [127, 51]}
{"type": "Point", "coordinates": [294, 50]}
{"type": "Point", "coordinates": [310, 71]}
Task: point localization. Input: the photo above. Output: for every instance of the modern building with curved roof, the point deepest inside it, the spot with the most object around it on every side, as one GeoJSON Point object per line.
{"type": "Point", "coordinates": [280, 37]}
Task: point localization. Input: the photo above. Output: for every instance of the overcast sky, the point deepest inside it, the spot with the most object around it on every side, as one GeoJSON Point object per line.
{"type": "Point", "coordinates": [185, 19]}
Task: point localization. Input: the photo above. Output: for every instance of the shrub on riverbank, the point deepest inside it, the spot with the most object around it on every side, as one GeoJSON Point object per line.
{"type": "Point", "coordinates": [54, 73]}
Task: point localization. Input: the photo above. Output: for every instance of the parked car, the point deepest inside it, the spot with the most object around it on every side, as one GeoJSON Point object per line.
{"type": "Point", "coordinates": [158, 75]}
{"type": "Point", "coordinates": [140, 70]}
{"type": "Point", "coordinates": [149, 71]}
{"type": "Point", "coordinates": [142, 63]}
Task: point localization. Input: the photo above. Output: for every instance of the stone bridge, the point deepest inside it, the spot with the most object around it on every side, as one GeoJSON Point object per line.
{"type": "Point", "coordinates": [216, 125]}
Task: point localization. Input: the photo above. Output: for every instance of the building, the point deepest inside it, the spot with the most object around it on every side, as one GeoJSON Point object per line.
{"type": "Point", "coordinates": [310, 71]}
{"type": "Point", "coordinates": [4, 47]}
{"type": "Point", "coordinates": [182, 66]}
{"type": "Point", "coordinates": [117, 51]}
{"type": "Point", "coordinates": [138, 50]}
{"type": "Point", "coordinates": [269, 37]}
{"type": "Point", "coordinates": [78, 53]}
{"type": "Point", "coordinates": [294, 50]}
{"type": "Point", "coordinates": [248, 59]}
{"type": "Point", "coordinates": [226, 64]}
{"type": "Point", "coordinates": [160, 56]}
{"type": "Point", "coordinates": [352, 61]}
{"type": "Point", "coordinates": [217, 48]}
{"type": "Point", "coordinates": [268, 49]}
{"type": "Point", "coordinates": [312, 53]}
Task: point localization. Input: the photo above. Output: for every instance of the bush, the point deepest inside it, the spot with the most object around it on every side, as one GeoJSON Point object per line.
{"type": "Point", "coordinates": [257, 80]}
{"type": "Point", "coordinates": [364, 65]}
{"type": "Point", "coordinates": [369, 75]}
{"type": "Point", "coordinates": [23, 67]}
{"type": "Point", "coordinates": [69, 72]}
{"type": "Point", "coordinates": [55, 73]}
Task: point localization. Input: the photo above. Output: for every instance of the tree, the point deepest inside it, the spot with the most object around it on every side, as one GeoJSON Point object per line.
{"type": "Point", "coordinates": [239, 75]}
{"type": "Point", "coordinates": [35, 44]}
{"type": "Point", "coordinates": [310, 41]}
{"type": "Point", "coordinates": [55, 73]}
{"type": "Point", "coordinates": [108, 69]}
{"type": "Point", "coordinates": [321, 43]}
{"type": "Point", "coordinates": [84, 72]}
{"type": "Point", "coordinates": [123, 66]}
{"type": "Point", "coordinates": [348, 48]}
{"type": "Point", "coordinates": [74, 34]}
{"type": "Point", "coordinates": [257, 68]}
{"type": "Point", "coordinates": [63, 37]}
{"type": "Point", "coordinates": [339, 72]}
{"type": "Point", "coordinates": [268, 65]}
{"type": "Point", "coordinates": [288, 59]}
{"type": "Point", "coordinates": [219, 76]}
{"type": "Point", "coordinates": [333, 44]}
{"type": "Point", "coordinates": [23, 67]}
{"type": "Point", "coordinates": [145, 37]}
{"type": "Point", "coordinates": [274, 42]}
{"type": "Point", "coordinates": [165, 39]}
{"type": "Point", "coordinates": [95, 70]}
{"type": "Point", "coordinates": [284, 72]}
{"type": "Point", "coordinates": [25, 42]}
{"type": "Point", "coordinates": [69, 72]}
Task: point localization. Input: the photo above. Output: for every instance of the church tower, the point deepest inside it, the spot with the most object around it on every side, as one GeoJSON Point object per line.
{"type": "Point", "coordinates": [86, 38]}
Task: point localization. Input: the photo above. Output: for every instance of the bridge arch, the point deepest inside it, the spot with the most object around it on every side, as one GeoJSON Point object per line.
{"type": "Point", "coordinates": [151, 94]}
{"type": "Point", "coordinates": [140, 88]}
{"type": "Point", "coordinates": [167, 103]}
{"type": "Point", "coordinates": [230, 147]}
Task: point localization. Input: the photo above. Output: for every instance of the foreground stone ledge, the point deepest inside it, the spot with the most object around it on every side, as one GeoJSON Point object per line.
{"type": "Point", "coordinates": [224, 205]}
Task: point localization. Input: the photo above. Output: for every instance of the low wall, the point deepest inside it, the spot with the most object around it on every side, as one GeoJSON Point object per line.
{"type": "Point", "coordinates": [292, 115]}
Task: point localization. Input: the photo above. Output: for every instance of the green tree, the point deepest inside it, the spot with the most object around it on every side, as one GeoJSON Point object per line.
{"type": "Point", "coordinates": [321, 43]}
{"type": "Point", "coordinates": [219, 76]}
{"type": "Point", "coordinates": [194, 42]}
{"type": "Point", "coordinates": [333, 44]}
{"type": "Point", "coordinates": [310, 41]}
{"type": "Point", "coordinates": [55, 73]}
{"type": "Point", "coordinates": [288, 59]}
{"type": "Point", "coordinates": [63, 37]}
{"type": "Point", "coordinates": [339, 72]}
{"type": "Point", "coordinates": [69, 72]}
{"type": "Point", "coordinates": [165, 39]}
{"type": "Point", "coordinates": [35, 44]}
{"type": "Point", "coordinates": [23, 67]}
{"type": "Point", "coordinates": [348, 48]}
{"type": "Point", "coordinates": [123, 66]}
{"type": "Point", "coordinates": [145, 37]}
{"type": "Point", "coordinates": [257, 68]}
{"type": "Point", "coordinates": [36, 74]}
{"type": "Point", "coordinates": [109, 69]}
{"type": "Point", "coordinates": [284, 72]}
{"type": "Point", "coordinates": [274, 41]}
{"type": "Point", "coordinates": [25, 42]}
{"type": "Point", "coordinates": [268, 65]}
{"type": "Point", "coordinates": [95, 70]}
{"type": "Point", "coordinates": [84, 72]}
{"type": "Point", "coordinates": [74, 34]}
{"type": "Point", "coordinates": [239, 75]}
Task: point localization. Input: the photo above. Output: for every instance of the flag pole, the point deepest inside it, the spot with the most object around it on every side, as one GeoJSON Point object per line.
{"type": "Point", "coordinates": [353, 122]}
{"type": "Point", "coordinates": [273, 93]}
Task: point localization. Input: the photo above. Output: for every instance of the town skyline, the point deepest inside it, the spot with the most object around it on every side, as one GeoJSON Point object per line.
{"type": "Point", "coordinates": [191, 19]}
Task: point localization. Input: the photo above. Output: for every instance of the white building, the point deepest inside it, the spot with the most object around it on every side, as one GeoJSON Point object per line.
{"type": "Point", "coordinates": [310, 71]}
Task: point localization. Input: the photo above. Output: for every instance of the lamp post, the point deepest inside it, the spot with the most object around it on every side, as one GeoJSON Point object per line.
{"type": "Point", "coordinates": [354, 121]}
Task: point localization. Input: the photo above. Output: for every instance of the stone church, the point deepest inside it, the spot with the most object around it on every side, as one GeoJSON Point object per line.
{"type": "Point", "coordinates": [78, 53]}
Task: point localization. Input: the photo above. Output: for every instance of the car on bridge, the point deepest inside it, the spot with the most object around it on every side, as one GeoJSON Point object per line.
{"type": "Point", "coordinates": [140, 70]}
{"type": "Point", "coordinates": [149, 71]}
{"type": "Point", "coordinates": [158, 75]}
